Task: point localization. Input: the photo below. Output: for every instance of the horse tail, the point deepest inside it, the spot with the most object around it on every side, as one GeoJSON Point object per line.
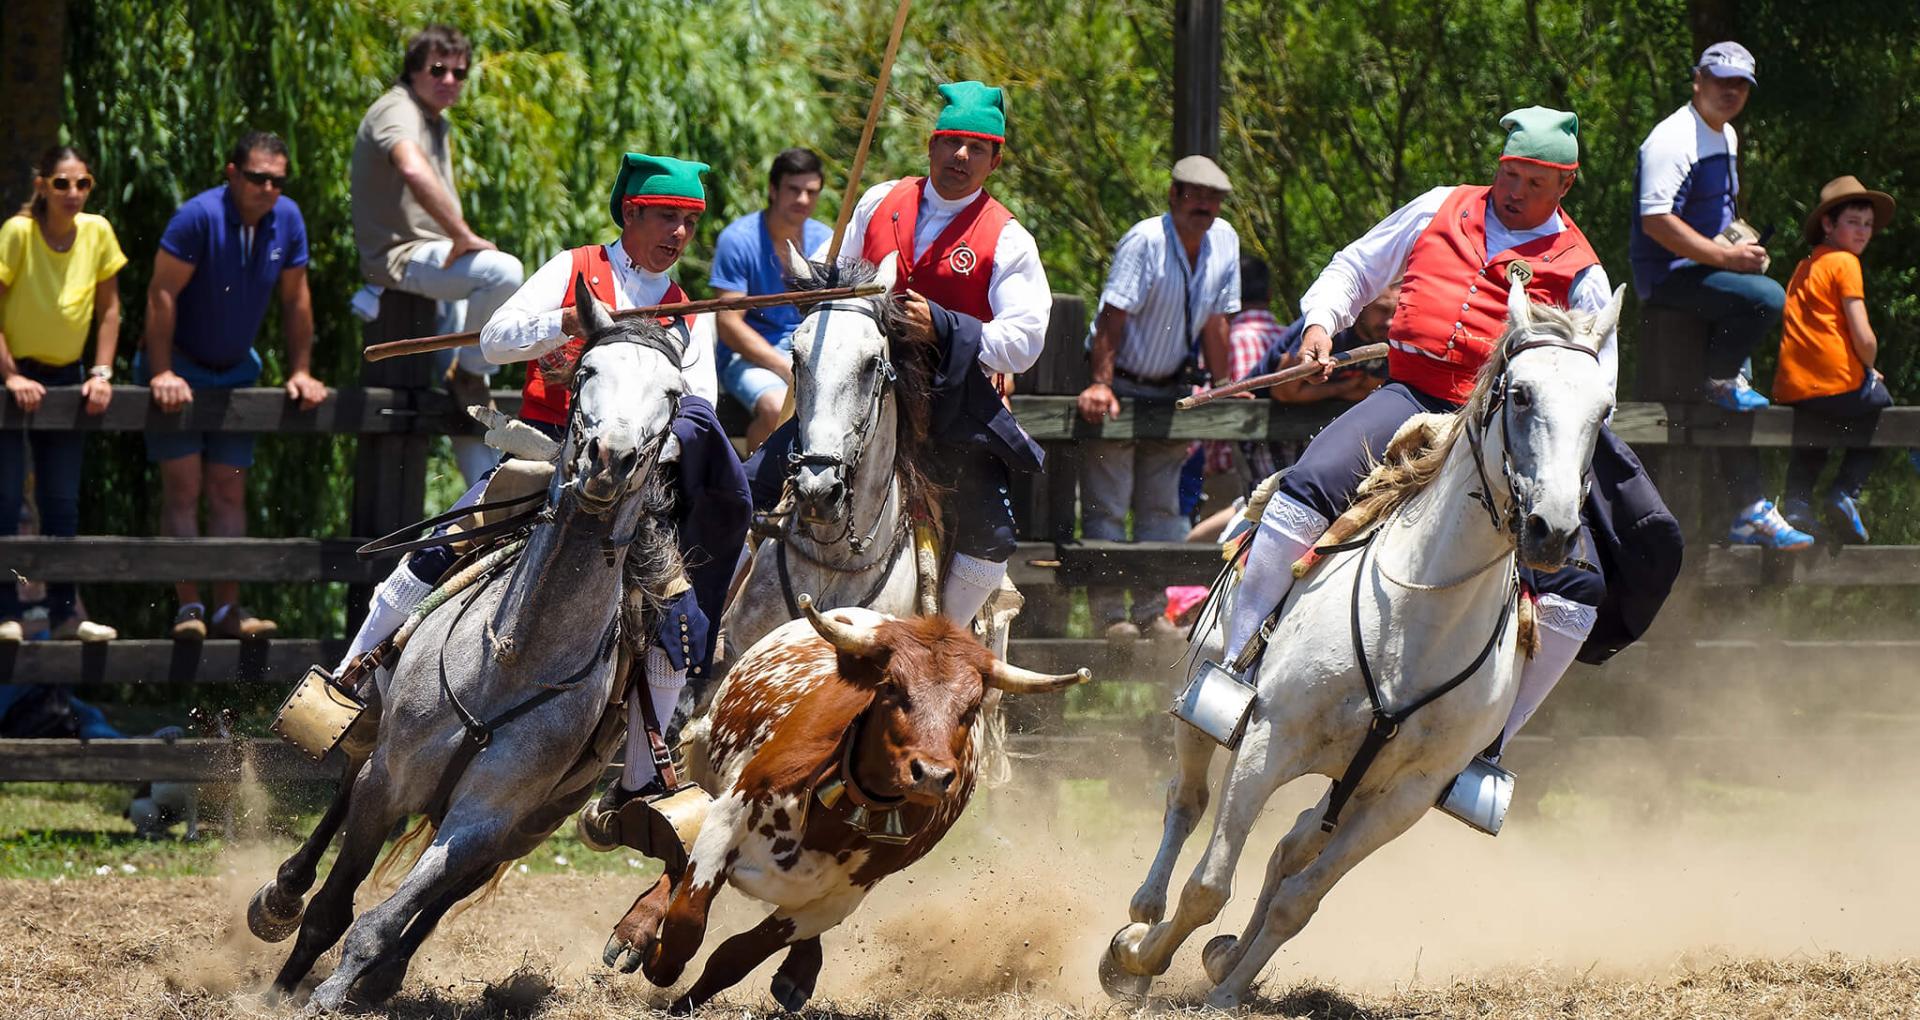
{"type": "Point", "coordinates": [486, 891]}
{"type": "Point", "coordinates": [409, 846]}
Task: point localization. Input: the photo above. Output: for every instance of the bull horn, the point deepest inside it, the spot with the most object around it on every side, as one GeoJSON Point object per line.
{"type": "Point", "coordinates": [851, 639]}
{"type": "Point", "coordinates": [1010, 678]}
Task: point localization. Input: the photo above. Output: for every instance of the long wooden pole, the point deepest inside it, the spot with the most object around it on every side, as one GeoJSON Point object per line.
{"type": "Point", "coordinates": [852, 196]}
{"type": "Point", "coordinates": [1365, 352]}
{"type": "Point", "coordinates": [446, 341]}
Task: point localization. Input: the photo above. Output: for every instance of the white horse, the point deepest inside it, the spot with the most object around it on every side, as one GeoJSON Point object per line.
{"type": "Point", "coordinates": [1435, 587]}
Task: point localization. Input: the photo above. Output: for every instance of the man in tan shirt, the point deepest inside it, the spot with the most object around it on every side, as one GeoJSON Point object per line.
{"type": "Point", "coordinates": [407, 221]}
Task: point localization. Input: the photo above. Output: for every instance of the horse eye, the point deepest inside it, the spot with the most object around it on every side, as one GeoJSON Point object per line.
{"type": "Point", "coordinates": [1522, 397]}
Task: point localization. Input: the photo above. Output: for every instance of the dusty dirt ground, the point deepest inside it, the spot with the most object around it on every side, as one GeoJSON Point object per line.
{"type": "Point", "coordinates": [1729, 901]}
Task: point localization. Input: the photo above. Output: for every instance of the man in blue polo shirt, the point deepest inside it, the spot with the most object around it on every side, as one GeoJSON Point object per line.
{"type": "Point", "coordinates": [755, 355]}
{"type": "Point", "coordinates": [225, 253]}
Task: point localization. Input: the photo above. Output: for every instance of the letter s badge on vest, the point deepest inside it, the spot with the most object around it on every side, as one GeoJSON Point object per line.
{"type": "Point", "coordinates": [962, 260]}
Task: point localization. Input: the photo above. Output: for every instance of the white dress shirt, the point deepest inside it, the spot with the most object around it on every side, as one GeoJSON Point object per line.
{"type": "Point", "coordinates": [1167, 299]}
{"type": "Point", "coordinates": [1017, 291]}
{"type": "Point", "coordinates": [528, 325]}
{"type": "Point", "coordinates": [1361, 270]}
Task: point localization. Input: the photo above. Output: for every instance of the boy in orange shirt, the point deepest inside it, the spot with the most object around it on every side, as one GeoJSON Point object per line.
{"type": "Point", "coordinates": [1827, 351]}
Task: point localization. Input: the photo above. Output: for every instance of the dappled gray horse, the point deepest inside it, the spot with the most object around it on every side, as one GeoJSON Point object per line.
{"type": "Point", "coordinates": [494, 722]}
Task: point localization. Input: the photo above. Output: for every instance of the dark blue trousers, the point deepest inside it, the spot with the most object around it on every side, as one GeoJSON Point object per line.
{"type": "Point", "coordinates": [1857, 411]}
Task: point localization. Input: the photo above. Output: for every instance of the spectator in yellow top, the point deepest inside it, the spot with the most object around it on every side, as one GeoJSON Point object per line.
{"type": "Point", "coordinates": [58, 267]}
{"type": "Point", "coordinates": [1828, 350]}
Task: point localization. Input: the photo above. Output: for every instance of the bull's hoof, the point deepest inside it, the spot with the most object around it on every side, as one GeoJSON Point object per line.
{"type": "Point", "coordinates": [1219, 958]}
{"type": "Point", "coordinates": [620, 956]}
{"type": "Point", "coordinates": [683, 1006]}
{"type": "Point", "coordinates": [271, 917]}
{"type": "Point", "coordinates": [789, 993]}
{"type": "Point", "coordinates": [1119, 983]}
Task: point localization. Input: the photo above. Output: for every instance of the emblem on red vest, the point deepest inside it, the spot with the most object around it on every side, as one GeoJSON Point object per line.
{"type": "Point", "coordinates": [963, 259]}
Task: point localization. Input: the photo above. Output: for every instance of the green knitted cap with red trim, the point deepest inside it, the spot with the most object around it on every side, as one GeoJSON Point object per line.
{"type": "Point", "coordinates": [1547, 137]}
{"type": "Point", "coordinates": [657, 180]}
{"type": "Point", "coordinates": [974, 109]}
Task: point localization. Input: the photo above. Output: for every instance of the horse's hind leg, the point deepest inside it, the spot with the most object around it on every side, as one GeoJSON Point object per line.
{"type": "Point", "coordinates": [1302, 844]}
{"type": "Point", "coordinates": [383, 977]}
{"type": "Point", "coordinates": [274, 912]}
{"type": "Point", "coordinates": [1256, 772]}
{"type": "Point", "coordinates": [466, 845]}
{"type": "Point", "coordinates": [1370, 824]}
{"type": "Point", "coordinates": [1186, 802]}
{"type": "Point", "coordinates": [369, 817]}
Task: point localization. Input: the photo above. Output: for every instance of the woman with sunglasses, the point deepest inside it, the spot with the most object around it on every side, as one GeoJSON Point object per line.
{"type": "Point", "coordinates": [58, 273]}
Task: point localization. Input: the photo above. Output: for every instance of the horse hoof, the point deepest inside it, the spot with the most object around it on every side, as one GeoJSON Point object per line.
{"type": "Point", "coordinates": [789, 994]}
{"type": "Point", "coordinates": [269, 917]}
{"type": "Point", "coordinates": [1118, 982]}
{"type": "Point", "coordinates": [1217, 956]}
{"type": "Point", "coordinates": [1224, 1001]}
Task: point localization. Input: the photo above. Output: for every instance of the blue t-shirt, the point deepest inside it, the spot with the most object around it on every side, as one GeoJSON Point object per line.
{"type": "Point", "coordinates": [744, 260]}
{"type": "Point", "coordinates": [219, 312]}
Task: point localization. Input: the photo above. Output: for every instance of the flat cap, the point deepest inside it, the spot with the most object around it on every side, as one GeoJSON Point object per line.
{"type": "Point", "coordinates": [1202, 172]}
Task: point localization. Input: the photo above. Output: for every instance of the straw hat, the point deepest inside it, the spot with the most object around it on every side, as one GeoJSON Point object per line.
{"type": "Point", "coordinates": [1839, 191]}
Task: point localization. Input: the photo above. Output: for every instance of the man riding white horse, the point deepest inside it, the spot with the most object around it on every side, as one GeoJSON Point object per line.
{"type": "Point", "coordinates": [1454, 245]}
{"type": "Point", "coordinates": [656, 202]}
{"type": "Point", "coordinates": [977, 296]}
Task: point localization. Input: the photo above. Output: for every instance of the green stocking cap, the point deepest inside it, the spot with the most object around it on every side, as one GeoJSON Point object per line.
{"type": "Point", "coordinates": [657, 180]}
{"type": "Point", "coordinates": [974, 109]}
{"type": "Point", "coordinates": [1539, 135]}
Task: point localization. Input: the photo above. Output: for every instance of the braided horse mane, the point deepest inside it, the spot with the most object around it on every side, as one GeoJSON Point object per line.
{"type": "Point", "coordinates": [913, 366]}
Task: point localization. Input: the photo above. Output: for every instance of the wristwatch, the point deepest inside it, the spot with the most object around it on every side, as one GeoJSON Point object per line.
{"type": "Point", "coordinates": [101, 372]}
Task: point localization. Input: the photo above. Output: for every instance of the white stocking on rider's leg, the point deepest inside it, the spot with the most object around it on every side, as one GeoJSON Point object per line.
{"type": "Point", "coordinates": [970, 582]}
{"type": "Point", "coordinates": [1564, 626]}
{"type": "Point", "coordinates": [663, 689]}
{"type": "Point", "coordinates": [394, 600]}
{"type": "Point", "coordinates": [1286, 532]}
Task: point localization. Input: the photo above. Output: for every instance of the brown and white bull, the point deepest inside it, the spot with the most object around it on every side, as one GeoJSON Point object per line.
{"type": "Point", "coordinates": [844, 747]}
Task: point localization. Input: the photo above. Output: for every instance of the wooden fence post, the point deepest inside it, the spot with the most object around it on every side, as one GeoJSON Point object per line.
{"type": "Point", "coordinates": [1672, 367]}
{"type": "Point", "coordinates": [390, 471]}
{"type": "Point", "coordinates": [1048, 502]}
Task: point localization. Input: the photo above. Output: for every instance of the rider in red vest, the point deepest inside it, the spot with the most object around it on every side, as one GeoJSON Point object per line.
{"type": "Point", "coordinates": [975, 292]}
{"type": "Point", "coordinates": [1451, 248]}
{"type": "Point", "coordinates": [657, 202]}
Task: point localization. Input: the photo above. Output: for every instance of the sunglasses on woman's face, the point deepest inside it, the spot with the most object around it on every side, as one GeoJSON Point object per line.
{"type": "Point", "coordinates": [80, 184]}
{"type": "Point", "coordinates": [438, 71]}
{"type": "Point", "coordinates": [263, 178]}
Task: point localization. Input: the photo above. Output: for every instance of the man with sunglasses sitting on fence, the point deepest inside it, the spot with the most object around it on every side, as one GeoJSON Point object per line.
{"type": "Point", "coordinates": [407, 221]}
{"type": "Point", "coordinates": [225, 254]}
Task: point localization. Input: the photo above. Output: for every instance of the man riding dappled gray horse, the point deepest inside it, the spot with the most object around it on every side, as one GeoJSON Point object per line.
{"type": "Point", "coordinates": [499, 714]}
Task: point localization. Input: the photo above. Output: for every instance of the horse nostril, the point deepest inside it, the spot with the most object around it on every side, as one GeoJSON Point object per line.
{"type": "Point", "coordinates": [1537, 526]}
{"type": "Point", "coordinates": [593, 450]}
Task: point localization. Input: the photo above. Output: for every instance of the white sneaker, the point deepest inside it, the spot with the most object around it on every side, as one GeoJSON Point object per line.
{"type": "Point", "coordinates": [93, 633]}
{"type": "Point", "coordinates": [11, 632]}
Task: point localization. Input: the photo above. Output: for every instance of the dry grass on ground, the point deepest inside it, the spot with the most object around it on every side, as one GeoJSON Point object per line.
{"type": "Point", "coordinates": [140, 947]}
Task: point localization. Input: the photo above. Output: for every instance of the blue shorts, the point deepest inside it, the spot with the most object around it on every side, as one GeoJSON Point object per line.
{"type": "Point", "coordinates": [746, 381]}
{"type": "Point", "coordinates": [234, 449]}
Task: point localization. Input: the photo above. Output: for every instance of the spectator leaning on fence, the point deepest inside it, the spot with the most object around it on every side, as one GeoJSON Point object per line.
{"type": "Point", "coordinates": [1174, 282]}
{"type": "Point", "coordinates": [1690, 252]}
{"type": "Point", "coordinates": [407, 221]}
{"type": "Point", "coordinates": [1828, 350]}
{"type": "Point", "coordinates": [756, 359]}
{"type": "Point", "coordinates": [59, 268]}
{"type": "Point", "coordinates": [224, 255]}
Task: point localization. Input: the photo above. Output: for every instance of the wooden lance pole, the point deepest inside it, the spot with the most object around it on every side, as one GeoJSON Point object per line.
{"type": "Point", "coordinates": [852, 196]}
{"type": "Point", "coordinates": [1366, 352]}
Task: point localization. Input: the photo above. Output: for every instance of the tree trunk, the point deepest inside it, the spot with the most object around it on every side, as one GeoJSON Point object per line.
{"type": "Point", "coordinates": [1712, 21]}
{"type": "Point", "coordinates": [33, 52]}
{"type": "Point", "coordinates": [1196, 78]}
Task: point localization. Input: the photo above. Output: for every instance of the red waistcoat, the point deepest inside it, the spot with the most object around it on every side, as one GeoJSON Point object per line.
{"type": "Point", "coordinates": [957, 267]}
{"type": "Point", "coordinates": [1453, 300]}
{"type": "Point", "coordinates": [537, 402]}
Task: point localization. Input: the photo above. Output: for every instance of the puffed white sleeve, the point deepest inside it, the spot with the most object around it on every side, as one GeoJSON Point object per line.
{"type": "Point", "coordinates": [1361, 270]}
{"type": "Point", "coordinates": [857, 226]}
{"type": "Point", "coordinates": [528, 324]}
{"type": "Point", "coordinates": [1592, 290]}
{"type": "Point", "coordinates": [696, 366]}
{"type": "Point", "coordinates": [1022, 303]}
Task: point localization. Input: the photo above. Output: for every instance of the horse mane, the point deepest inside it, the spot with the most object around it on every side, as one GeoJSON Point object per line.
{"type": "Point", "coordinates": [913, 366]}
{"type": "Point", "coordinates": [1414, 458]}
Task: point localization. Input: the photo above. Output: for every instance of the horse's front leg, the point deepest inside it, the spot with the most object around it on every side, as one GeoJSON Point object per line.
{"type": "Point", "coordinates": [684, 925]}
{"type": "Point", "coordinates": [1373, 820]}
{"type": "Point", "coordinates": [1257, 770]}
{"type": "Point", "coordinates": [1302, 843]}
{"type": "Point", "coordinates": [1186, 802]}
{"type": "Point", "coordinates": [274, 912]}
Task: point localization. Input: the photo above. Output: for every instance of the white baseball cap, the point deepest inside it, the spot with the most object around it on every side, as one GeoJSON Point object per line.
{"type": "Point", "coordinates": [1727, 60]}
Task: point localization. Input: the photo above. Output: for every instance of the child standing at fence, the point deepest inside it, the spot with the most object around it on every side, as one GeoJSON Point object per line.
{"type": "Point", "coordinates": [58, 272]}
{"type": "Point", "coordinates": [1828, 350]}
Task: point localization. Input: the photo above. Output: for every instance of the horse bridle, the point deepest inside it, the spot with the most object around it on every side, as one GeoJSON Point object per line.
{"type": "Point", "coordinates": [661, 342]}
{"type": "Point", "coordinates": [1497, 404]}
{"type": "Point", "coordinates": [862, 429]}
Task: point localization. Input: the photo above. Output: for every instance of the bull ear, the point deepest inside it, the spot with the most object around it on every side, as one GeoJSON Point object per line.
{"type": "Point", "coordinates": [799, 268]}
{"type": "Point", "coordinates": [594, 318]}
{"type": "Point", "coordinates": [861, 642]}
{"type": "Point", "coordinates": [1609, 317]}
{"type": "Point", "coordinates": [1008, 677]}
{"type": "Point", "coordinates": [889, 272]}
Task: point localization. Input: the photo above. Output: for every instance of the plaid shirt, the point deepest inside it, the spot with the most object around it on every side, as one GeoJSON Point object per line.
{"type": "Point", "coordinates": [1253, 332]}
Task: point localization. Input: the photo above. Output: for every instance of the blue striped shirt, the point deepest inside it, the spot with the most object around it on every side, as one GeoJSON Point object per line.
{"type": "Point", "coordinates": [1168, 300]}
